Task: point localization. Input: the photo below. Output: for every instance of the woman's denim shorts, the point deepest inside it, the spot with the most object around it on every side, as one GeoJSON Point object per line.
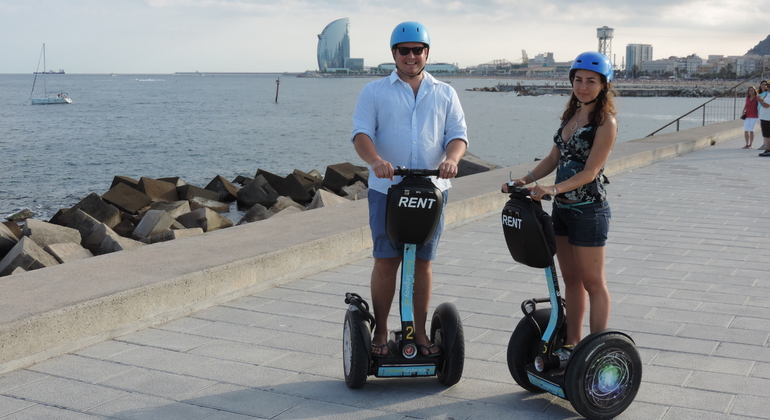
{"type": "Point", "coordinates": [583, 225]}
{"type": "Point", "coordinates": [383, 247]}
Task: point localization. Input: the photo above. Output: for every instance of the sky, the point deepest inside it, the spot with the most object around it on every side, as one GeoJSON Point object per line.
{"type": "Point", "coordinates": [167, 36]}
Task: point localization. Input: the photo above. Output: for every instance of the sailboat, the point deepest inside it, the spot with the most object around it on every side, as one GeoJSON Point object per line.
{"type": "Point", "coordinates": [47, 99]}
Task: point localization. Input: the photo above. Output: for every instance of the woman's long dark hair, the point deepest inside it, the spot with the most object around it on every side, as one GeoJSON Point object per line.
{"type": "Point", "coordinates": [605, 105]}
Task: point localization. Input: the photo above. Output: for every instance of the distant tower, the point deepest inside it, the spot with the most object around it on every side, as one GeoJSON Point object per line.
{"type": "Point", "coordinates": [605, 40]}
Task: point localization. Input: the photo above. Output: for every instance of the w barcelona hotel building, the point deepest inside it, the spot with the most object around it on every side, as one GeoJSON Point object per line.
{"type": "Point", "coordinates": [334, 49]}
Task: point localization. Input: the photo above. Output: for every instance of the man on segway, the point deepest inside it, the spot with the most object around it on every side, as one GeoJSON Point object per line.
{"type": "Point", "coordinates": [407, 119]}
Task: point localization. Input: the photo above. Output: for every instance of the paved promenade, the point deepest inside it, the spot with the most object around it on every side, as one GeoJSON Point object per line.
{"type": "Point", "coordinates": [688, 262]}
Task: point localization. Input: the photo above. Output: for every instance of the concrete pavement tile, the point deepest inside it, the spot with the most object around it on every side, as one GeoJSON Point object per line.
{"type": "Point", "coordinates": [684, 345]}
{"type": "Point", "coordinates": [242, 400]}
{"type": "Point", "coordinates": [160, 384]}
{"type": "Point", "coordinates": [85, 369]}
{"type": "Point", "coordinates": [224, 415]}
{"type": "Point", "coordinates": [472, 291]}
{"type": "Point", "coordinates": [676, 396]}
{"type": "Point", "coordinates": [239, 352]}
{"type": "Point", "coordinates": [642, 325]}
{"type": "Point", "coordinates": [661, 302]}
{"type": "Point", "coordinates": [299, 310]}
{"type": "Point", "coordinates": [677, 413]}
{"type": "Point", "coordinates": [159, 359]}
{"type": "Point", "coordinates": [322, 410]}
{"type": "Point", "coordinates": [140, 406]}
{"type": "Point", "coordinates": [249, 303]}
{"type": "Point", "coordinates": [487, 370]}
{"type": "Point", "coordinates": [755, 407]}
{"type": "Point", "coordinates": [507, 394]}
{"type": "Point", "coordinates": [742, 290]}
{"type": "Point", "coordinates": [322, 389]}
{"type": "Point", "coordinates": [10, 405]}
{"type": "Point", "coordinates": [761, 370]}
{"type": "Point", "coordinates": [743, 351]}
{"type": "Point", "coordinates": [228, 331]}
{"type": "Point", "coordinates": [304, 343]}
{"type": "Point", "coordinates": [703, 363]}
{"type": "Point", "coordinates": [478, 335]}
{"type": "Point", "coordinates": [736, 310]}
{"type": "Point", "coordinates": [710, 296]}
{"type": "Point", "coordinates": [243, 374]}
{"type": "Point", "coordinates": [106, 349]}
{"type": "Point", "coordinates": [66, 393]}
{"type": "Point", "coordinates": [409, 401]}
{"type": "Point", "coordinates": [292, 296]}
{"type": "Point", "coordinates": [236, 315]}
{"type": "Point", "coordinates": [491, 322]}
{"type": "Point", "coordinates": [730, 384]}
{"type": "Point", "coordinates": [19, 378]}
{"type": "Point", "coordinates": [761, 301]}
{"type": "Point", "coordinates": [641, 289]}
{"type": "Point", "coordinates": [699, 317]}
{"type": "Point", "coordinates": [505, 412]}
{"type": "Point", "coordinates": [483, 351]}
{"type": "Point", "coordinates": [735, 335]}
{"type": "Point", "coordinates": [677, 282]}
{"type": "Point", "coordinates": [185, 324]}
{"type": "Point", "coordinates": [314, 327]}
{"type": "Point", "coordinates": [38, 411]}
{"type": "Point", "coordinates": [165, 339]}
{"type": "Point", "coordinates": [313, 364]}
{"type": "Point", "coordinates": [665, 375]}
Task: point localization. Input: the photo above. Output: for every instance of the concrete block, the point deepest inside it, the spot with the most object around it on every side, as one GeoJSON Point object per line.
{"type": "Point", "coordinates": [174, 208]}
{"type": "Point", "coordinates": [258, 191]}
{"type": "Point", "coordinates": [27, 255]}
{"type": "Point", "coordinates": [125, 228]}
{"type": "Point", "coordinates": [227, 191]}
{"type": "Point", "coordinates": [325, 198]}
{"type": "Point", "coordinates": [94, 206]}
{"type": "Point", "coordinates": [91, 230]}
{"type": "Point", "coordinates": [7, 240]}
{"type": "Point", "coordinates": [186, 192]}
{"type": "Point", "coordinates": [153, 223]}
{"type": "Point", "coordinates": [471, 164]}
{"type": "Point", "coordinates": [242, 180]}
{"type": "Point", "coordinates": [68, 252]}
{"type": "Point", "coordinates": [340, 175]}
{"type": "Point", "coordinates": [284, 202]}
{"type": "Point", "coordinates": [18, 270]}
{"type": "Point", "coordinates": [298, 187]}
{"type": "Point", "coordinates": [357, 191]}
{"type": "Point", "coordinates": [204, 218]}
{"type": "Point", "coordinates": [196, 203]}
{"type": "Point", "coordinates": [272, 179]}
{"type": "Point", "coordinates": [44, 233]}
{"type": "Point", "coordinates": [113, 242]}
{"type": "Point", "coordinates": [174, 180]}
{"type": "Point", "coordinates": [126, 199]}
{"type": "Point", "coordinates": [256, 213]}
{"type": "Point", "coordinates": [287, 211]}
{"type": "Point", "coordinates": [131, 182]}
{"type": "Point", "coordinates": [158, 190]}
{"type": "Point", "coordinates": [173, 234]}
{"type": "Point", "coordinates": [14, 228]}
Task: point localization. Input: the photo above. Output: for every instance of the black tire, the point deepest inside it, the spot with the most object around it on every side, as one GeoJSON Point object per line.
{"type": "Point", "coordinates": [603, 376]}
{"type": "Point", "coordinates": [355, 350]}
{"type": "Point", "coordinates": [524, 345]}
{"type": "Point", "coordinates": [452, 360]}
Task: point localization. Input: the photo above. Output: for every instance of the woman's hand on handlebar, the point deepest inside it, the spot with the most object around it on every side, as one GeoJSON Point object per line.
{"type": "Point", "coordinates": [515, 182]}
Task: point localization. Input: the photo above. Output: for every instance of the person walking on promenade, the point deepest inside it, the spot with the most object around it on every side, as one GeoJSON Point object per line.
{"type": "Point", "coordinates": [407, 119]}
{"type": "Point", "coordinates": [581, 214]}
{"type": "Point", "coordinates": [750, 114]}
{"type": "Point", "coordinates": [762, 94]}
{"type": "Point", "coordinates": [763, 101]}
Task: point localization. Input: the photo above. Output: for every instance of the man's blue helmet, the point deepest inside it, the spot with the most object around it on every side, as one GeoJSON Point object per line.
{"type": "Point", "coordinates": [594, 61]}
{"type": "Point", "coordinates": [409, 32]}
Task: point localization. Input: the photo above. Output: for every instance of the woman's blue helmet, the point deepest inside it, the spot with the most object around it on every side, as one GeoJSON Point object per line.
{"type": "Point", "coordinates": [409, 32]}
{"type": "Point", "coordinates": [594, 61]}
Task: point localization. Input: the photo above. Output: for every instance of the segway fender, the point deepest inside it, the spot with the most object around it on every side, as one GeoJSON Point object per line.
{"type": "Point", "coordinates": [448, 317]}
{"type": "Point", "coordinates": [365, 326]}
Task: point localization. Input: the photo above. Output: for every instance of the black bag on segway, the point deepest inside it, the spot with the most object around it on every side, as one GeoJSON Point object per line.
{"type": "Point", "coordinates": [528, 232]}
{"type": "Point", "coordinates": [413, 211]}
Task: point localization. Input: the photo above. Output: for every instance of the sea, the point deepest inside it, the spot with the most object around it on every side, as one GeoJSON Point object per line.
{"type": "Point", "coordinates": [198, 126]}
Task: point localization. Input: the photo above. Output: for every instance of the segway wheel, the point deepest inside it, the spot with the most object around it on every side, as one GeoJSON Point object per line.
{"type": "Point", "coordinates": [603, 376]}
{"type": "Point", "coordinates": [355, 352]}
{"type": "Point", "coordinates": [524, 345]}
{"type": "Point", "coordinates": [446, 331]}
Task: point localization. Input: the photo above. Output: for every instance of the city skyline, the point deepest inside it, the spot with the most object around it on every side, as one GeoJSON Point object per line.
{"type": "Point", "coordinates": [167, 36]}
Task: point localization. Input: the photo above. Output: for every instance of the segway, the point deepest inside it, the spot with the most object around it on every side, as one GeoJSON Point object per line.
{"type": "Point", "coordinates": [603, 374]}
{"type": "Point", "coordinates": [413, 211]}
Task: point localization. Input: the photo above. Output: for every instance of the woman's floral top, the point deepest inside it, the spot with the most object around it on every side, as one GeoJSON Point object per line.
{"type": "Point", "coordinates": [573, 156]}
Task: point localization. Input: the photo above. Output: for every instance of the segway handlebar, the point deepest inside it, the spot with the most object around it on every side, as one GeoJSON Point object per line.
{"type": "Point", "coordinates": [512, 189]}
{"type": "Point", "coordinates": [403, 171]}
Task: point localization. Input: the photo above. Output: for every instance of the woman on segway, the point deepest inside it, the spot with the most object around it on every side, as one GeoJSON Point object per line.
{"type": "Point", "coordinates": [581, 214]}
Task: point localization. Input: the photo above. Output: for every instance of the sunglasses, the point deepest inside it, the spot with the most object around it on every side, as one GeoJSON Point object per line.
{"type": "Point", "coordinates": [405, 50]}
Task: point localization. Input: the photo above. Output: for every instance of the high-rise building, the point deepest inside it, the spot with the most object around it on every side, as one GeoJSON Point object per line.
{"type": "Point", "coordinates": [334, 46]}
{"type": "Point", "coordinates": [636, 54]}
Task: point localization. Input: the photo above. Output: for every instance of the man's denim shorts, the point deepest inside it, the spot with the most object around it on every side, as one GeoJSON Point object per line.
{"type": "Point", "coordinates": [583, 225]}
{"type": "Point", "coordinates": [383, 247]}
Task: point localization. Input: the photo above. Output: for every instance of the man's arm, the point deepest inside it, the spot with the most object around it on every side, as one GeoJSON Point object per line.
{"type": "Point", "coordinates": [455, 151]}
{"type": "Point", "coordinates": [366, 151]}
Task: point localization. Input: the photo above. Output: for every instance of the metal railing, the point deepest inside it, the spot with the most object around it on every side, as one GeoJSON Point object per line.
{"type": "Point", "coordinates": [726, 106]}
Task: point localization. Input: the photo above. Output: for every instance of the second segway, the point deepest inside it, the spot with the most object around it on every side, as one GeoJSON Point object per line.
{"type": "Point", "coordinates": [604, 372]}
{"type": "Point", "coordinates": [413, 211]}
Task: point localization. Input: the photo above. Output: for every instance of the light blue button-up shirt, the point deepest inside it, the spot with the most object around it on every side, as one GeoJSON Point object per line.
{"type": "Point", "coordinates": [408, 131]}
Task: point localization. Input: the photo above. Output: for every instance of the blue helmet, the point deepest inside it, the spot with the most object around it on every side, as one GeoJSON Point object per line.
{"type": "Point", "coordinates": [409, 32]}
{"type": "Point", "coordinates": [594, 61]}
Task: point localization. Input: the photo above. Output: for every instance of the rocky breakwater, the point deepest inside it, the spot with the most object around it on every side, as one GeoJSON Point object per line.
{"type": "Point", "coordinates": [136, 213]}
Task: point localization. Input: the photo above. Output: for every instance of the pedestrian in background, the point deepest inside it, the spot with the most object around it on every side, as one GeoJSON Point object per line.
{"type": "Point", "coordinates": [750, 116]}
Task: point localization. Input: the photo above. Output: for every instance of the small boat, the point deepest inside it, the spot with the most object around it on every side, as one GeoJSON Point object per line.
{"type": "Point", "coordinates": [47, 99]}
